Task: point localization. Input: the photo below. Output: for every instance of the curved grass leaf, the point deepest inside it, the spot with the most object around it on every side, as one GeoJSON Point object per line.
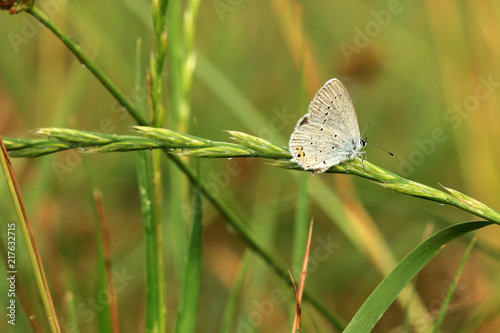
{"type": "Point", "coordinates": [386, 292]}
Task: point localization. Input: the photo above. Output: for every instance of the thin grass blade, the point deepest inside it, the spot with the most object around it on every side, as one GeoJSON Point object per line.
{"type": "Point", "coordinates": [230, 310]}
{"type": "Point", "coordinates": [453, 286]}
{"type": "Point", "coordinates": [188, 303]}
{"type": "Point", "coordinates": [155, 306]}
{"type": "Point", "coordinates": [29, 237]}
{"type": "Point", "coordinates": [386, 292]}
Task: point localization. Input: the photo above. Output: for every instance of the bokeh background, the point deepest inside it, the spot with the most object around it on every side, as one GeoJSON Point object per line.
{"type": "Point", "coordinates": [424, 74]}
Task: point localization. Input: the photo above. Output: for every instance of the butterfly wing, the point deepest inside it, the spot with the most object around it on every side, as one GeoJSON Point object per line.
{"type": "Point", "coordinates": [332, 107]}
{"type": "Point", "coordinates": [329, 133]}
{"type": "Point", "coordinates": [316, 146]}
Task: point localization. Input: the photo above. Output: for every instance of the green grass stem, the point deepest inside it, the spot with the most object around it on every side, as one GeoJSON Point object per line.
{"type": "Point", "coordinates": [249, 146]}
{"type": "Point", "coordinates": [155, 307]}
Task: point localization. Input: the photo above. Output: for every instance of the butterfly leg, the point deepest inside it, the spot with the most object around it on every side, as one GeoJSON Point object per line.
{"type": "Point", "coordinates": [363, 156]}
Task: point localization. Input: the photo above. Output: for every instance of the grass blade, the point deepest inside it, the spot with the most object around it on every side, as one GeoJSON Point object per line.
{"type": "Point", "coordinates": [230, 311]}
{"type": "Point", "coordinates": [188, 304]}
{"type": "Point", "coordinates": [453, 286]}
{"type": "Point", "coordinates": [155, 299]}
{"type": "Point", "coordinates": [385, 293]}
{"type": "Point", "coordinates": [297, 320]}
{"type": "Point", "coordinates": [29, 238]}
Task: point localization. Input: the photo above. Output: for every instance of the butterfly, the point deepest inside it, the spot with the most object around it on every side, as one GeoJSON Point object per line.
{"type": "Point", "coordinates": [329, 133]}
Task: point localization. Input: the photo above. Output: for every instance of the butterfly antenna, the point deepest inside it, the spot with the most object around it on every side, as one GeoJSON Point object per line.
{"type": "Point", "coordinates": [373, 143]}
{"type": "Point", "coordinates": [362, 133]}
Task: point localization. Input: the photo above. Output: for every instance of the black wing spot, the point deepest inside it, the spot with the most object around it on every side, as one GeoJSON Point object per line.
{"type": "Point", "coordinates": [304, 121]}
{"type": "Point", "coordinates": [335, 135]}
{"type": "Point", "coordinates": [328, 108]}
{"type": "Point", "coordinates": [324, 162]}
{"type": "Point", "coordinates": [324, 121]}
{"type": "Point", "coordinates": [333, 147]}
{"type": "Point", "coordinates": [321, 128]}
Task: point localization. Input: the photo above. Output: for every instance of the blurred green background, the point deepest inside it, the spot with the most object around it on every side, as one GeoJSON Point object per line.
{"type": "Point", "coordinates": [424, 75]}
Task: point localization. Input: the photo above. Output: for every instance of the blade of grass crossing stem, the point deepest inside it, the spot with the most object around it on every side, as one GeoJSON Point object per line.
{"type": "Point", "coordinates": [155, 305]}
{"type": "Point", "coordinates": [230, 310]}
{"type": "Point", "coordinates": [452, 288]}
{"type": "Point", "coordinates": [188, 303]}
{"type": "Point", "coordinates": [386, 292]}
{"type": "Point", "coordinates": [29, 239]}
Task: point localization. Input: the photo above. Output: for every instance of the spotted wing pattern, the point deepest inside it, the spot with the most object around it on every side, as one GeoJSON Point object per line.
{"type": "Point", "coordinates": [329, 133]}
